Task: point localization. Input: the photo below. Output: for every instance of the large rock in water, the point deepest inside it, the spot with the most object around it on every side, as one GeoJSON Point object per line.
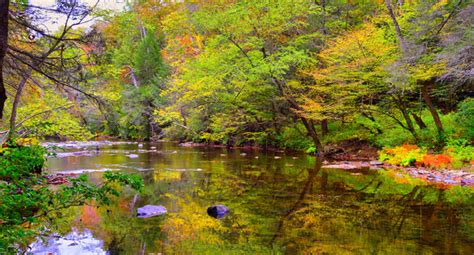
{"type": "Point", "coordinates": [150, 211]}
{"type": "Point", "coordinates": [218, 211]}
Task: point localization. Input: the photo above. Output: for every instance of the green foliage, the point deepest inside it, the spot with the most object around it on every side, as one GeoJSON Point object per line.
{"type": "Point", "coordinates": [311, 150]}
{"type": "Point", "coordinates": [148, 60]}
{"type": "Point", "coordinates": [294, 139]}
{"type": "Point", "coordinates": [19, 162]}
{"type": "Point", "coordinates": [465, 118]}
{"type": "Point", "coordinates": [461, 152]}
{"type": "Point", "coordinates": [456, 154]}
{"type": "Point", "coordinates": [26, 198]}
{"type": "Point", "coordinates": [458, 195]}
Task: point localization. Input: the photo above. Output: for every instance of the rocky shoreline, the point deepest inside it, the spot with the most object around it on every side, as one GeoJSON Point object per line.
{"type": "Point", "coordinates": [443, 176]}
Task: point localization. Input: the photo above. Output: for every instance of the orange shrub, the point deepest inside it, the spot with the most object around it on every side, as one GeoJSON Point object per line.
{"type": "Point", "coordinates": [437, 161]}
{"type": "Point", "coordinates": [404, 155]}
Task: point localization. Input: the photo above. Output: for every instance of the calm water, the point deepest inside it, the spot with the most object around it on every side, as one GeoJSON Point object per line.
{"type": "Point", "coordinates": [280, 204]}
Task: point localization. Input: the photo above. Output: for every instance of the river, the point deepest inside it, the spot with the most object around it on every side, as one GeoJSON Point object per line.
{"type": "Point", "coordinates": [279, 204]}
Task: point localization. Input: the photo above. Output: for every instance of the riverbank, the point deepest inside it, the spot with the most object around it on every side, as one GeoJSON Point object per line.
{"type": "Point", "coordinates": [360, 155]}
{"type": "Point", "coordinates": [347, 155]}
{"type": "Point", "coordinates": [443, 177]}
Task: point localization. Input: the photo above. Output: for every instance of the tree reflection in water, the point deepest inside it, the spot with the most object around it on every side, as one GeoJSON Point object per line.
{"type": "Point", "coordinates": [288, 205]}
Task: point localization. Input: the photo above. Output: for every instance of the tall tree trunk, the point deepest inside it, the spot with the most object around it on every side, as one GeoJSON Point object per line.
{"type": "Point", "coordinates": [309, 125]}
{"type": "Point", "coordinates": [324, 127]}
{"type": "Point", "coordinates": [407, 118]}
{"type": "Point", "coordinates": [403, 43]}
{"type": "Point", "coordinates": [16, 102]}
{"type": "Point", "coordinates": [419, 121]}
{"type": "Point", "coordinates": [323, 18]}
{"type": "Point", "coordinates": [425, 92]}
{"type": "Point", "coordinates": [4, 4]}
{"type": "Point", "coordinates": [135, 81]}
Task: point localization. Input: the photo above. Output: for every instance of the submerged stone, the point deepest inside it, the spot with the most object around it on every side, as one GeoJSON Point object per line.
{"type": "Point", "coordinates": [467, 182]}
{"type": "Point", "coordinates": [218, 211]}
{"type": "Point", "coordinates": [150, 211]}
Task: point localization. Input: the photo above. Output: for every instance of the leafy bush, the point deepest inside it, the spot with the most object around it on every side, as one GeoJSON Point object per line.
{"type": "Point", "coordinates": [455, 155]}
{"type": "Point", "coordinates": [437, 161]}
{"type": "Point", "coordinates": [405, 155]}
{"type": "Point", "coordinates": [292, 138]}
{"type": "Point", "coordinates": [26, 196]}
{"type": "Point", "coordinates": [20, 161]}
{"type": "Point", "coordinates": [465, 118]}
{"type": "Point", "coordinates": [461, 152]}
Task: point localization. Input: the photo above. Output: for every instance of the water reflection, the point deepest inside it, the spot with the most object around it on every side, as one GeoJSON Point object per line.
{"type": "Point", "coordinates": [72, 243]}
{"type": "Point", "coordinates": [278, 204]}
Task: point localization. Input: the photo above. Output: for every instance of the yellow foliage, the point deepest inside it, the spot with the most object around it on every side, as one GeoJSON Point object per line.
{"type": "Point", "coordinates": [27, 141]}
{"type": "Point", "coordinates": [191, 224]}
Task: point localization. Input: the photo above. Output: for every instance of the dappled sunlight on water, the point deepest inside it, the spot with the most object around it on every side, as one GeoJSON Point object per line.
{"type": "Point", "coordinates": [279, 204]}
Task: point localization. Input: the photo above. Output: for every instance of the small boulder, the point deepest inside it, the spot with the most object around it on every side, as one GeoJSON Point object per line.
{"type": "Point", "coordinates": [449, 181]}
{"type": "Point", "coordinates": [375, 163]}
{"type": "Point", "coordinates": [467, 182]}
{"type": "Point", "coordinates": [132, 155]}
{"type": "Point", "coordinates": [218, 211]}
{"type": "Point", "coordinates": [150, 211]}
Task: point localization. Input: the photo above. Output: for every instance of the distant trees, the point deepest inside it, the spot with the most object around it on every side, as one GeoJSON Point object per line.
{"type": "Point", "coordinates": [131, 73]}
{"type": "Point", "coordinates": [253, 72]}
{"type": "Point", "coordinates": [316, 63]}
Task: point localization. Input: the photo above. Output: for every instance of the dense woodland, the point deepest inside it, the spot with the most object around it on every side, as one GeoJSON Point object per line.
{"type": "Point", "coordinates": [300, 75]}
{"type": "Point", "coordinates": [290, 74]}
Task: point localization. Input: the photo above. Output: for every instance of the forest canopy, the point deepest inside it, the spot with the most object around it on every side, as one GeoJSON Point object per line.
{"type": "Point", "coordinates": [299, 75]}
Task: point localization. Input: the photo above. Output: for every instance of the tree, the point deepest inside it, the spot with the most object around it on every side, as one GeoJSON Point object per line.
{"type": "Point", "coordinates": [4, 7]}
{"type": "Point", "coordinates": [40, 58]}
{"type": "Point", "coordinates": [263, 49]}
{"type": "Point", "coordinates": [421, 62]}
